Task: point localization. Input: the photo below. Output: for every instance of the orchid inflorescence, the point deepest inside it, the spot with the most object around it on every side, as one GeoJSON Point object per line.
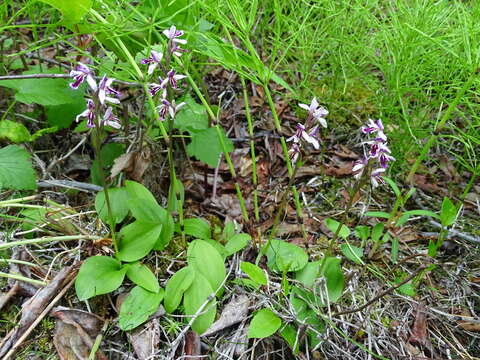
{"type": "Point", "coordinates": [167, 106]}
{"type": "Point", "coordinates": [100, 97]}
{"type": "Point", "coordinates": [378, 155]}
{"type": "Point", "coordinates": [309, 131]}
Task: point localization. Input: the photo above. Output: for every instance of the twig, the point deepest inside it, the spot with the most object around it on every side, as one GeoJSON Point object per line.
{"type": "Point", "coordinates": [383, 293]}
{"type": "Point", "coordinates": [69, 184]}
{"type": "Point", "coordinates": [53, 163]}
{"type": "Point", "coordinates": [59, 76]}
{"type": "Point", "coordinates": [452, 232]}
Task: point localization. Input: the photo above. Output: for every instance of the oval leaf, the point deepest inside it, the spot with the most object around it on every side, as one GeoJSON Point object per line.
{"type": "Point", "coordinates": [142, 276]}
{"type": "Point", "coordinates": [332, 272]}
{"type": "Point", "coordinates": [333, 225]}
{"type": "Point", "coordinates": [237, 242]}
{"type": "Point", "coordinates": [264, 324]}
{"type": "Point", "coordinates": [137, 239]}
{"type": "Point", "coordinates": [119, 202]}
{"type": "Point", "coordinates": [176, 287]}
{"type": "Point", "coordinates": [197, 227]}
{"type": "Point", "coordinates": [283, 256]}
{"type": "Point", "coordinates": [138, 306]}
{"type": "Point", "coordinates": [205, 259]}
{"type": "Point", "coordinates": [254, 272]}
{"type": "Point", "coordinates": [196, 295]}
{"type": "Point", "coordinates": [98, 275]}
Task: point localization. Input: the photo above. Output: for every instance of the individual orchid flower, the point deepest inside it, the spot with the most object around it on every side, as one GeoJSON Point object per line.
{"type": "Point", "coordinates": [294, 152]}
{"type": "Point", "coordinates": [153, 61]}
{"type": "Point", "coordinates": [375, 126]}
{"type": "Point", "coordinates": [155, 88]}
{"type": "Point", "coordinates": [89, 113]}
{"type": "Point", "coordinates": [376, 177]}
{"type": "Point", "coordinates": [172, 78]}
{"type": "Point", "coordinates": [79, 74]}
{"type": "Point", "coordinates": [359, 167]}
{"type": "Point", "coordinates": [170, 108]}
{"type": "Point", "coordinates": [301, 133]}
{"type": "Point", "coordinates": [109, 119]}
{"type": "Point", "coordinates": [173, 36]}
{"type": "Point", "coordinates": [104, 89]}
{"type": "Point", "coordinates": [316, 111]}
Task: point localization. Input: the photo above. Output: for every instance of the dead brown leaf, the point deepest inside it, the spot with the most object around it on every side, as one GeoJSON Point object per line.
{"type": "Point", "coordinates": [338, 167]}
{"type": "Point", "coordinates": [422, 182]}
{"type": "Point", "coordinates": [192, 349]}
{"type": "Point", "coordinates": [145, 339]}
{"type": "Point", "coordinates": [234, 312]}
{"type": "Point", "coordinates": [75, 331]}
{"type": "Point", "coordinates": [134, 164]}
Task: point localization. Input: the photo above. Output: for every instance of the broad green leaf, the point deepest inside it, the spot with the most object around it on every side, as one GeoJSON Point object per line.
{"type": "Point", "coordinates": [219, 247]}
{"type": "Point", "coordinates": [141, 275]}
{"type": "Point", "coordinates": [72, 11]}
{"type": "Point", "coordinates": [63, 116]}
{"type": "Point", "coordinates": [195, 296]}
{"type": "Point", "coordinates": [109, 153]}
{"type": "Point", "coordinates": [167, 233]}
{"type": "Point", "coordinates": [333, 226]}
{"type": "Point", "coordinates": [138, 191]}
{"type": "Point", "coordinates": [137, 239]}
{"type": "Point", "coordinates": [309, 274]}
{"type": "Point", "coordinates": [118, 201]}
{"type": "Point", "coordinates": [332, 272]}
{"type": "Point", "coordinates": [206, 146]}
{"type": "Point", "coordinates": [176, 287]}
{"type": "Point", "coordinates": [147, 211]}
{"type": "Point", "coordinates": [264, 324]}
{"type": "Point", "coordinates": [237, 242]}
{"type": "Point", "coordinates": [138, 306]}
{"type": "Point", "coordinates": [289, 334]}
{"type": "Point", "coordinates": [46, 92]}
{"type": "Point", "coordinates": [407, 288]}
{"type": "Point", "coordinates": [192, 117]}
{"type": "Point", "coordinates": [254, 272]}
{"type": "Point", "coordinates": [203, 258]}
{"type": "Point", "coordinates": [98, 275]}
{"type": "Point", "coordinates": [228, 230]}
{"type": "Point", "coordinates": [283, 256]}
{"type": "Point", "coordinates": [420, 212]}
{"type": "Point", "coordinates": [196, 227]}
{"type": "Point", "coordinates": [16, 171]}
{"type": "Point", "coordinates": [14, 131]}
{"type": "Point", "coordinates": [448, 213]}
{"type": "Point", "coordinates": [352, 253]}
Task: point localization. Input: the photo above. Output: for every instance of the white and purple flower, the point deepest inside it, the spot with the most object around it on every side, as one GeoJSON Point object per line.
{"type": "Point", "coordinates": [89, 113]}
{"type": "Point", "coordinates": [81, 73]}
{"type": "Point", "coordinates": [153, 61]}
{"type": "Point", "coordinates": [316, 111]}
{"type": "Point", "coordinates": [301, 133]}
{"type": "Point", "coordinates": [104, 89]}
{"type": "Point", "coordinates": [173, 79]}
{"type": "Point", "coordinates": [109, 119]}
{"type": "Point", "coordinates": [170, 108]}
{"type": "Point", "coordinates": [173, 36]}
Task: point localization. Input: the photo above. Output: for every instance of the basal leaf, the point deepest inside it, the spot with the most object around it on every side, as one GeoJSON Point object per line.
{"type": "Point", "coordinates": [332, 271]}
{"type": "Point", "coordinates": [197, 227]}
{"type": "Point", "coordinates": [138, 306]}
{"type": "Point", "coordinates": [333, 225]}
{"type": "Point", "coordinates": [353, 253]}
{"type": "Point", "coordinates": [118, 201]}
{"type": "Point", "coordinates": [254, 272]}
{"type": "Point", "coordinates": [137, 239]}
{"type": "Point", "coordinates": [237, 242]}
{"type": "Point", "coordinates": [309, 274]}
{"type": "Point", "coordinates": [283, 256]}
{"type": "Point", "coordinates": [203, 258]}
{"type": "Point", "coordinates": [195, 296]}
{"type": "Point", "coordinates": [98, 275]}
{"type": "Point", "coordinates": [14, 131]}
{"type": "Point", "coordinates": [264, 324]}
{"type": "Point", "coordinates": [141, 275]}
{"type": "Point", "coordinates": [176, 287]}
{"type": "Point", "coordinates": [16, 171]}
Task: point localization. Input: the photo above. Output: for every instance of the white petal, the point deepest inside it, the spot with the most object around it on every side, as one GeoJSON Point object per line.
{"type": "Point", "coordinates": [83, 114]}
{"type": "Point", "coordinates": [171, 112]}
{"type": "Point", "coordinates": [180, 41]}
{"type": "Point", "coordinates": [311, 140]}
{"type": "Point", "coordinates": [179, 77]}
{"type": "Point", "coordinates": [111, 100]}
{"type": "Point", "coordinates": [322, 122]}
{"type": "Point", "coordinates": [113, 124]}
{"type": "Point", "coordinates": [179, 106]}
{"type": "Point", "coordinates": [101, 96]}
{"type": "Point", "coordinates": [304, 106]}
{"type": "Point", "coordinates": [177, 53]}
{"type": "Point", "coordinates": [358, 167]}
{"type": "Point", "coordinates": [91, 82]}
{"type": "Point", "coordinates": [151, 67]}
{"type": "Point", "coordinates": [314, 104]}
{"type": "Point", "coordinates": [166, 33]}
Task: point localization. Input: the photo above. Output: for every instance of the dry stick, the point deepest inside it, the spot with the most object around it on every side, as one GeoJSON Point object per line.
{"type": "Point", "coordinates": [40, 318]}
{"type": "Point", "coordinates": [383, 293]}
{"type": "Point", "coordinates": [58, 76]}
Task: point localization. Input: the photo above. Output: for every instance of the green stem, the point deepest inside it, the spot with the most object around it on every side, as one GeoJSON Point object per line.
{"type": "Point", "coordinates": [43, 240]}
{"type": "Point", "coordinates": [23, 278]}
{"type": "Point", "coordinates": [26, 198]}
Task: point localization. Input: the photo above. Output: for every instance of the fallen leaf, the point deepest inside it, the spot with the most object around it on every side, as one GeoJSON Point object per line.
{"type": "Point", "coordinates": [338, 168]}
{"type": "Point", "coordinates": [234, 312]}
{"type": "Point", "coordinates": [192, 349]}
{"type": "Point", "coordinates": [133, 164]}
{"type": "Point", "coordinates": [145, 339]}
{"type": "Point", "coordinates": [422, 183]}
{"type": "Point", "coordinates": [75, 332]}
